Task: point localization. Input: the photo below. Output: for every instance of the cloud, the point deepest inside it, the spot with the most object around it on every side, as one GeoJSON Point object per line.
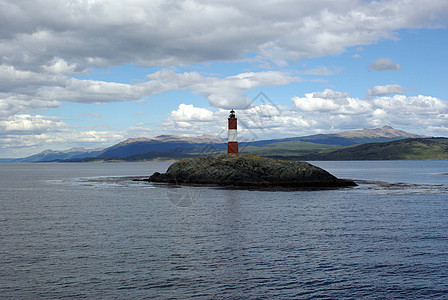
{"type": "Point", "coordinates": [59, 66]}
{"type": "Point", "coordinates": [401, 105]}
{"type": "Point", "coordinates": [384, 64]}
{"type": "Point", "coordinates": [24, 134]}
{"type": "Point", "coordinates": [187, 112]}
{"type": "Point", "coordinates": [324, 111]}
{"type": "Point", "coordinates": [382, 90]}
{"type": "Point", "coordinates": [28, 124]}
{"type": "Point", "coordinates": [227, 92]}
{"type": "Point", "coordinates": [25, 82]}
{"type": "Point", "coordinates": [330, 109]}
{"type": "Point", "coordinates": [44, 44]}
{"type": "Point", "coordinates": [77, 35]}
{"type": "Point", "coordinates": [20, 129]}
{"type": "Point", "coordinates": [318, 112]}
{"type": "Point", "coordinates": [190, 120]}
{"type": "Point", "coordinates": [92, 91]}
{"type": "Point", "coordinates": [330, 101]}
{"type": "Point", "coordinates": [11, 104]}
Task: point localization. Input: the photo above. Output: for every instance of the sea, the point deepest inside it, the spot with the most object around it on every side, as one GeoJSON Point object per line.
{"type": "Point", "coordinates": [88, 230]}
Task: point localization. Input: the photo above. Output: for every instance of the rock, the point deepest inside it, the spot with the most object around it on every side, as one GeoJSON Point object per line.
{"type": "Point", "coordinates": [248, 170]}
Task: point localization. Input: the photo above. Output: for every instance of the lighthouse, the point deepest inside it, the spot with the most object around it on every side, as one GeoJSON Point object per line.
{"type": "Point", "coordinates": [232, 141]}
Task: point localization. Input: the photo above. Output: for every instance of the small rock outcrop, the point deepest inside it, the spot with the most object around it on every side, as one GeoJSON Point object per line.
{"type": "Point", "coordinates": [248, 170]}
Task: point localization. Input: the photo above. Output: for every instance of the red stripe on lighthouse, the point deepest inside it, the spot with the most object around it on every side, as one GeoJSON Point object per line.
{"type": "Point", "coordinates": [232, 123]}
{"type": "Point", "coordinates": [232, 140]}
{"type": "Point", "coordinates": [232, 147]}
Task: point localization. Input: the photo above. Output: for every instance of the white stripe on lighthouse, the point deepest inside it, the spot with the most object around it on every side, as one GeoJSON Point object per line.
{"type": "Point", "coordinates": [233, 135]}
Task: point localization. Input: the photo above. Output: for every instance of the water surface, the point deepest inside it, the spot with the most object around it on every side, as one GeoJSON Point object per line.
{"type": "Point", "coordinates": [86, 230]}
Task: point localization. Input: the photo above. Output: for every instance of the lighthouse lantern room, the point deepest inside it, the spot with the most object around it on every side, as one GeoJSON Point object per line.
{"type": "Point", "coordinates": [232, 141]}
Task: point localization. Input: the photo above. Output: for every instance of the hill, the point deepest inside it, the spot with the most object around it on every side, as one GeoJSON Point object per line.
{"type": "Point", "coordinates": [51, 155]}
{"type": "Point", "coordinates": [150, 156]}
{"type": "Point", "coordinates": [292, 148]}
{"type": "Point", "coordinates": [163, 143]}
{"type": "Point", "coordinates": [408, 149]}
{"type": "Point", "coordinates": [351, 137]}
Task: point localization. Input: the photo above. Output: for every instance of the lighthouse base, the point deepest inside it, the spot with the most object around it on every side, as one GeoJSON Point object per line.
{"type": "Point", "coordinates": [232, 147]}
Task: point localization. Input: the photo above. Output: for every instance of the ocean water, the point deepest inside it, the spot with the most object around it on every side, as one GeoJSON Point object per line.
{"type": "Point", "coordinates": [89, 231]}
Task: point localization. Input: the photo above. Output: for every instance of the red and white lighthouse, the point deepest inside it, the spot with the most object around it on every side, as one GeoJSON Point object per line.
{"type": "Point", "coordinates": [232, 141]}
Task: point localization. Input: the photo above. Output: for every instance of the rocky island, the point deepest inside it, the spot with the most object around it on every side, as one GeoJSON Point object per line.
{"type": "Point", "coordinates": [248, 170]}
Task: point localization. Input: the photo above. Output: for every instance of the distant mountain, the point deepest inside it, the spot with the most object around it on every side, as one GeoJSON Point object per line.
{"type": "Point", "coordinates": [7, 160]}
{"type": "Point", "coordinates": [348, 138]}
{"type": "Point", "coordinates": [408, 149]}
{"type": "Point", "coordinates": [51, 155]}
{"type": "Point", "coordinates": [291, 148]}
{"type": "Point", "coordinates": [149, 156]}
{"type": "Point", "coordinates": [176, 138]}
{"type": "Point", "coordinates": [165, 147]}
{"type": "Point", "coordinates": [383, 132]}
{"type": "Point", "coordinates": [164, 143]}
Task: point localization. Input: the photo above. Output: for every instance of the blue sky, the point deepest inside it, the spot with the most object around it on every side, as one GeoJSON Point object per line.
{"type": "Point", "coordinates": [93, 73]}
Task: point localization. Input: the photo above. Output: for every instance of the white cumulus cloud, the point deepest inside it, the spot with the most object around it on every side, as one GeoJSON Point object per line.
{"type": "Point", "coordinates": [187, 112]}
{"type": "Point", "coordinates": [423, 105]}
{"type": "Point", "coordinates": [331, 109]}
{"type": "Point", "coordinates": [330, 101]}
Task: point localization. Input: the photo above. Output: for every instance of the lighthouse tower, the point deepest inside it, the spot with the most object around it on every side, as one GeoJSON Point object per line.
{"type": "Point", "coordinates": [232, 141]}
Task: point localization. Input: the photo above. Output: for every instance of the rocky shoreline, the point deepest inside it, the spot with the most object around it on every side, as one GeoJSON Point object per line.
{"type": "Point", "coordinates": [248, 170]}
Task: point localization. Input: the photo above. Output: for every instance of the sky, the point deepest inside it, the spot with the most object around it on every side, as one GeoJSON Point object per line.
{"type": "Point", "coordinates": [92, 73]}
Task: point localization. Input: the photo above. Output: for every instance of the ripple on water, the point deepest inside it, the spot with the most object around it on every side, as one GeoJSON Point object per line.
{"type": "Point", "coordinates": [380, 187]}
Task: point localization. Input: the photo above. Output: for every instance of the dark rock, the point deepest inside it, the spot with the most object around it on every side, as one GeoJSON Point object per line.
{"type": "Point", "coordinates": [248, 170]}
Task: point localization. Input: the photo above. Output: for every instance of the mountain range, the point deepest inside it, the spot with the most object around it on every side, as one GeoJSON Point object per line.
{"type": "Point", "coordinates": [52, 155]}
{"type": "Point", "coordinates": [352, 137]}
{"type": "Point", "coordinates": [167, 147]}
